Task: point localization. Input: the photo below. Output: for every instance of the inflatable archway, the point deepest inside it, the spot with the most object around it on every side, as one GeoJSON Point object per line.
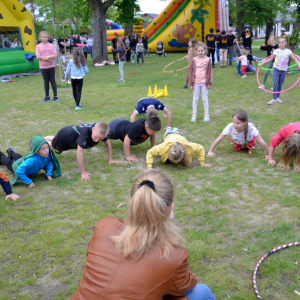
{"type": "Point", "coordinates": [17, 37]}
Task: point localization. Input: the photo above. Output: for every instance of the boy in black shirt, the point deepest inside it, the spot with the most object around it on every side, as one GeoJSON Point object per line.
{"type": "Point", "coordinates": [81, 137]}
{"type": "Point", "coordinates": [135, 133]}
{"type": "Point", "coordinates": [211, 45]}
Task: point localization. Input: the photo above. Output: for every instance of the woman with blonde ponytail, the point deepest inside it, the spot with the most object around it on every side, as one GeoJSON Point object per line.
{"type": "Point", "coordinates": [142, 257]}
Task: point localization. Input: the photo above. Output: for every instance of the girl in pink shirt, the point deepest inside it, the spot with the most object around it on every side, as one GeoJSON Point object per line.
{"type": "Point", "coordinates": [46, 54]}
{"type": "Point", "coordinates": [290, 136]}
{"type": "Point", "coordinates": [190, 57]}
{"type": "Point", "coordinates": [200, 78]}
{"type": "Point", "coordinates": [244, 63]}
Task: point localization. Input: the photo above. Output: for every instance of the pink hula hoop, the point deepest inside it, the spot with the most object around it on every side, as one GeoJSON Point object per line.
{"type": "Point", "coordinates": [271, 91]}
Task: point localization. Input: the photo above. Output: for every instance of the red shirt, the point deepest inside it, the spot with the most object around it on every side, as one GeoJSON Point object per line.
{"type": "Point", "coordinates": [284, 132]}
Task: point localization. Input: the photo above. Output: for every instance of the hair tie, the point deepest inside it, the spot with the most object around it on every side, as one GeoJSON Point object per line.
{"type": "Point", "coordinates": [173, 152]}
{"type": "Point", "coordinates": [149, 183]}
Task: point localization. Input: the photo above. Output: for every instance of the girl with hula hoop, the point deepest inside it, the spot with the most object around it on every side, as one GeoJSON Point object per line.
{"type": "Point", "coordinates": [270, 48]}
{"type": "Point", "coordinates": [280, 67]}
{"type": "Point", "coordinates": [190, 56]}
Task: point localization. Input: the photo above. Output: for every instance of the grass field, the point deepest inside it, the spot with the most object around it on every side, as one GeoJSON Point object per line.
{"type": "Point", "coordinates": [230, 214]}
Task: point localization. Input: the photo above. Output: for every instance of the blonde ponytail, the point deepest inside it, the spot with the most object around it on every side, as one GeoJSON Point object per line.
{"type": "Point", "coordinates": [148, 218]}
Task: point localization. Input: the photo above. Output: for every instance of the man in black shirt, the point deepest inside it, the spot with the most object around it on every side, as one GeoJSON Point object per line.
{"type": "Point", "coordinates": [218, 47]}
{"type": "Point", "coordinates": [114, 45]}
{"type": "Point", "coordinates": [81, 137]}
{"type": "Point", "coordinates": [247, 37]}
{"type": "Point", "coordinates": [134, 133]}
{"type": "Point", "coordinates": [211, 45]}
{"type": "Point", "coordinates": [230, 43]}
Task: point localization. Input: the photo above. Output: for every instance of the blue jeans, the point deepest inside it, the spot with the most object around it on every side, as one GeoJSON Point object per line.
{"type": "Point", "coordinates": [147, 52]}
{"type": "Point", "coordinates": [121, 65]}
{"type": "Point", "coordinates": [170, 130]}
{"type": "Point", "coordinates": [218, 54]}
{"type": "Point", "coordinates": [133, 54]}
{"type": "Point", "coordinates": [200, 292]}
{"type": "Point", "coordinates": [91, 51]}
{"type": "Point", "coordinates": [250, 68]}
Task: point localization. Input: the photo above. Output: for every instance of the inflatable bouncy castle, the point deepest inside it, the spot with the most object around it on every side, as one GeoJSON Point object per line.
{"type": "Point", "coordinates": [17, 37]}
{"type": "Point", "coordinates": [184, 19]}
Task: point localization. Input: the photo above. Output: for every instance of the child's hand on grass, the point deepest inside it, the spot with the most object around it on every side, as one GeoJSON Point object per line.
{"type": "Point", "coordinates": [266, 157]}
{"type": "Point", "coordinates": [132, 158]}
{"type": "Point", "coordinates": [14, 197]}
{"type": "Point", "coordinates": [206, 165]}
{"type": "Point", "coordinates": [117, 162]}
{"type": "Point", "coordinates": [272, 162]}
{"type": "Point", "coordinates": [50, 178]}
{"type": "Point", "coordinates": [86, 176]}
{"type": "Point", "coordinates": [31, 185]}
{"type": "Point", "coordinates": [211, 154]}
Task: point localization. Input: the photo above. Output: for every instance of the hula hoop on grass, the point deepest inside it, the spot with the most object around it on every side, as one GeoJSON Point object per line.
{"type": "Point", "coordinates": [173, 63]}
{"type": "Point", "coordinates": [262, 259]}
{"type": "Point", "coordinates": [271, 91]}
{"type": "Point", "coordinates": [272, 69]}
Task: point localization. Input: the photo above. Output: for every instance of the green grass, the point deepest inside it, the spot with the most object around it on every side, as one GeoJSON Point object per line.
{"type": "Point", "coordinates": [230, 214]}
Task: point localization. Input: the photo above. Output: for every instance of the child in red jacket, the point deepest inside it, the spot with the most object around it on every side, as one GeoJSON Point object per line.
{"type": "Point", "coordinates": [290, 136]}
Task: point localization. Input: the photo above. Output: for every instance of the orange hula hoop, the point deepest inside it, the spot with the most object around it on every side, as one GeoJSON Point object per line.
{"type": "Point", "coordinates": [173, 63]}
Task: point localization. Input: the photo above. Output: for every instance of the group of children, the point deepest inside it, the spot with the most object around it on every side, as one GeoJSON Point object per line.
{"type": "Point", "coordinates": [175, 147]}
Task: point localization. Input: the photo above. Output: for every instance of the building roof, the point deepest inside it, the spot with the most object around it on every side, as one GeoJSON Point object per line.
{"type": "Point", "coordinates": [151, 15]}
{"type": "Point", "coordinates": [287, 18]}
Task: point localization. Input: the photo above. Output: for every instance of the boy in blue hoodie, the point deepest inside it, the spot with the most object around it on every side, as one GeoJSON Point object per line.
{"type": "Point", "coordinates": [41, 157]}
{"type": "Point", "coordinates": [4, 182]}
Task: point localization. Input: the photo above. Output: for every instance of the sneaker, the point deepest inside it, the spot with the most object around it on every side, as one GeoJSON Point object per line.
{"type": "Point", "coordinates": [78, 108]}
{"type": "Point", "coordinates": [69, 82]}
{"type": "Point", "coordinates": [261, 86]}
{"type": "Point", "coordinates": [185, 87]}
{"type": "Point", "coordinates": [8, 152]}
{"type": "Point", "coordinates": [244, 76]}
{"type": "Point", "coordinates": [193, 119]}
{"type": "Point", "coordinates": [175, 129]}
{"type": "Point", "coordinates": [47, 99]}
{"type": "Point", "coordinates": [120, 79]}
{"type": "Point", "coordinates": [79, 104]}
{"type": "Point", "coordinates": [206, 119]}
{"type": "Point", "coordinates": [132, 61]}
{"type": "Point", "coordinates": [271, 88]}
{"type": "Point", "coordinates": [55, 99]}
{"type": "Point", "coordinates": [273, 101]}
{"type": "Point", "coordinates": [279, 100]}
{"type": "Point", "coordinates": [143, 63]}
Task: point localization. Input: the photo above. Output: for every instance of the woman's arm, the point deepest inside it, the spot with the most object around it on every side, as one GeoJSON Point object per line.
{"type": "Point", "coordinates": [215, 144]}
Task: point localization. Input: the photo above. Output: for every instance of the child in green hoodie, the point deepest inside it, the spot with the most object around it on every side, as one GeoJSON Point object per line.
{"type": "Point", "coordinates": [41, 157]}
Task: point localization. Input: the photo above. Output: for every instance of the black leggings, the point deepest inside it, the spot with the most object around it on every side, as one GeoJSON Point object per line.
{"type": "Point", "coordinates": [128, 55]}
{"type": "Point", "coordinates": [77, 88]}
{"type": "Point", "coordinates": [49, 75]}
{"type": "Point", "coordinates": [212, 52]}
{"type": "Point", "coordinates": [7, 162]}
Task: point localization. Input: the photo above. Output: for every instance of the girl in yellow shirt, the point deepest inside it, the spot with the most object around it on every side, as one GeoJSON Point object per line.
{"type": "Point", "coordinates": [176, 149]}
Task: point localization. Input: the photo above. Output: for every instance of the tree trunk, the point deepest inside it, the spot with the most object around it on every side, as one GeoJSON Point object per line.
{"type": "Point", "coordinates": [128, 29]}
{"type": "Point", "coordinates": [269, 29]}
{"type": "Point", "coordinates": [99, 10]}
{"type": "Point", "coordinates": [296, 30]}
{"type": "Point", "coordinates": [240, 16]}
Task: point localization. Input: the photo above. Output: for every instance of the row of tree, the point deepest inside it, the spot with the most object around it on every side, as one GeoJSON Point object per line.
{"type": "Point", "coordinates": [258, 13]}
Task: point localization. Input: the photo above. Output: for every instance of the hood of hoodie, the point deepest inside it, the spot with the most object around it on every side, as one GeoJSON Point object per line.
{"type": "Point", "coordinates": [37, 142]}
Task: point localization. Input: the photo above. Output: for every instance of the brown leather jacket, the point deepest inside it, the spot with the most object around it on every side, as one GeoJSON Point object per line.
{"type": "Point", "coordinates": [108, 276]}
{"type": "Point", "coordinates": [209, 73]}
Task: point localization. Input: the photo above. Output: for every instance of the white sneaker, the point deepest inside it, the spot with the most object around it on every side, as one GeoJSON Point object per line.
{"type": "Point", "coordinates": [132, 61]}
{"type": "Point", "coordinates": [193, 119]}
{"type": "Point", "coordinates": [261, 86]}
{"type": "Point", "coordinates": [272, 102]}
{"type": "Point", "coordinates": [271, 88]}
{"type": "Point", "coordinates": [279, 100]}
{"type": "Point", "coordinates": [206, 119]}
{"type": "Point", "coordinates": [244, 76]}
